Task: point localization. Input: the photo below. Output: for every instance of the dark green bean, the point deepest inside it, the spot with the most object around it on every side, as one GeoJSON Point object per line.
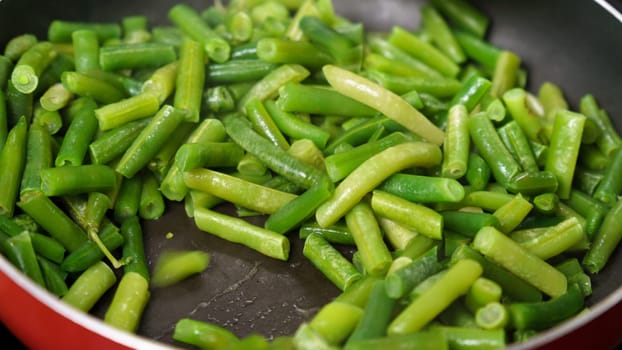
{"type": "Point", "coordinates": [18, 249]}
{"type": "Point", "coordinates": [131, 56]}
{"type": "Point", "coordinates": [38, 157]}
{"type": "Point", "coordinates": [79, 134]}
{"type": "Point", "coordinates": [606, 240]}
{"type": "Point", "coordinates": [12, 161]}
{"type": "Point", "coordinates": [464, 15]}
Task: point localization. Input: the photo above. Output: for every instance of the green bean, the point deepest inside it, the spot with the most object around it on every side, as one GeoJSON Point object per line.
{"type": "Point", "coordinates": [51, 75]}
{"type": "Point", "coordinates": [264, 200]}
{"type": "Point", "coordinates": [6, 66]}
{"type": "Point", "coordinates": [384, 101]}
{"type": "Point", "coordinates": [173, 267]}
{"type": "Point", "coordinates": [590, 208]}
{"type": "Point", "coordinates": [427, 53]}
{"type": "Point", "coordinates": [190, 79]}
{"type": "Point", "coordinates": [492, 243]}
{"type": "Point", "coordinates": [464, 15]}
{"type": "Point", "coordinates": [18, 104]}
{"type": "Point", "coordinates": [295, 127]}
{"type": "Point", "coordinates": [375, 255]}
{"type": "Point", "coordinates": [38, 157]}
{"type": "Point", "coordinates": [504, 76]}
{"type": "Point", "coordinates": [362, 132]}
{"type": "Point", "coordinates": [564, 149]}
{"type": "Point", "coordinates": [299, 209]}
{"type": "Point", "coordinates": [482, 292]}
{"type": "Point", "coordinates": [28, 69]}
{"type": "Point", "coordinates": [113, 143]}
{"type": "Point", "coordinates": [18, 45]}
{"type": "Point", "coordinates": [384, 48]}
{"type": "Point", "coordinates": [491, 148]}
{"type": "Point", "coordinates": [376, 315]}
{"type": "Point", "coordinates": [339, 165]}
{"type": "Point", "coordinates": [610, 186]}
{"type": "Point", "coordinates": [606, 240]}
{"type": "Point", "coordinates": [398, 235]}
{"type": "Point", "coordinates": [317, 100]}
{"type": "Point", "coordinates": [270, 84]}
{"type": "Point", "coordinates": [56, 97]}
{"type": "Point", "coordinates": [371, 173]}
{"type": "Point", "coordinates": [573, 270]}
{"type": "Point", "coordinates": [69, 180]}
{"type": "Point", "coordinates": [512, 286]}
{"type": "Point", "coordinates": [492, 316]}
{"type": "Point", "coordinates": [544, 314]}
{"type": "Point", "coordinates": [437, 87]}
{"type": "Point", "coordinates": [149, 141]}
{"type": "Point", "coordinates": [90, 286]}
{"type": "Point", "coordinates": [424, 340]}
{"type": "Point", "coordinates": [128, 302]}
{"type": "Point", "coordinates": [478, 172]}
{"type": "Point", "coordinates": [127, 110]}
{"type": "Point", "coordinates": [191, 23]}
{"type": "Point", "coordinates": [516, 102]}
{"type": "Point", "coordinates": [467, 223]}
{"type": "Point", "coordinates": [151, 205]}
{"type": "Point", "coordinates": [338, 233]}
{"type": "Point", "coordinates": [344, 51]}
{"type": "Point", "coordinates": [239, 231]}
{"type": "Point", "coordinates": [86, 86]}
{"type": "Point", "coordinates": [218, 99]}
{"type": "Point", "coordinates": [423, 189]}
{"type": "Point", "coordinates": [457, 142]}
{"type": "Point", "coordinates": [428, 305]}
{"type": "Point", "coordinates": [274, 157]}
{"type": "Point", "coordinates": [53, 220]}
{"type": "Point", "coordinates": [162, 81]}
{"type": "Point", "coordinates": [80, 133]}
{"type": "Point", "coordinates": [89, 252]}
{"type": "Point", "coordinates": [18, 249]}
{"type": "Point", "coordinates": [86, 50]}
{"type": "Point", "coordinates": [424, 220]}
{"type": "Point", "coordinates": [61, 31]}
{"type": "Point", "coordinates": [330, 262]}
{"type": "Point", "coordinates": [441, 34]}
{"type": "Point", "coordinates": [51, 122]}
{"type": "Point", "coordinates": [512, 213]}
{"type": "Point", "coordinates": [478, 49]}
{"type": "Point", "coordinates": [609, 140]}
{"type": "Point", "coordinates": [131, 56]}
{"type": "Point", "coordinates": [264, 125]}
{"type": "Point", "coordinates": [54, 278]}
{"type": "Point", "coordinates": [4, 120]}
{"type": "Point", "coordinates": [556, 239]}
{"type": "Point", "coordinates": [128, 198]}
{"type": "Point", "coordinates": [335, 321]}
{"type": "Point", "coordinates": [400, 282]}
{"type": "Point", "coordinates": [517, 143]}
{"type": "Point", "coordinates": [546, 203]}
{"type": "Point", "coordinates": [133, 248]}
{"type": "Point", "coordinates": [12, 162]}
{"type": "Point", "coordinates": [274, 50]}
{"type": "Point", "coordinates": [203, 334]}
{"type": "Point", "coordinates": [163, 159]}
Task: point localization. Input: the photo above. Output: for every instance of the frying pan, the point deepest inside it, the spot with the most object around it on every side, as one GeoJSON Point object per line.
{"type": "Point", "coordinates": [577, 45]}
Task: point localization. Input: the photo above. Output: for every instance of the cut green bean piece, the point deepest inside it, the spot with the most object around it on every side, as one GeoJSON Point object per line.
{"type": "Point", "coordinates": [467, 223]}
{"type": "Point", "coordinates": [60, 31]}
{"type": "Point", "coordinates": [564, 149]}
{"type": "Point", "coordinates": [507, 253]}
{"type": "Point", "coordinates": [132, 56]}
{"type": "Point", "coordinates": [128, 302]}
{"type": "Point", "coordinates": [464, 15]}
{"type": "Point", "coordinates": [330, 262]}
{"type": "Point", "coordinates": [239, 231]}
{"type": "Point", "coordinates": [151, 205]}
{"type": "Point", "coordinates": [203, 334]}
{"type": "Point", "coordinates": [335, 321]}
{"type": "Point", "coordinates": [90, 286]}
{"type": "Point", "coordinates": [113, 143]}
{"type": "Point", "coordinates": [319, 100]}
{"type": "Point", "coordinates": [191, 23]}
{"type": "Point", "coordinates": [456, 144]}
{"type": "Point", "coordinates": [173, 267]}
{"type": "Point", "coordinates": [512, 213]}
{"type": "Point", "coordinates": [127, 110]}
{"type": "Point", "coordinates": [87, 86]}
{"type": "Point", "coordinates": [421, 218]}
{"type": "Point", "coordinates": [12, 163]}
{"type": "Point", "coordinates": [371, 173]}
{"type": "Point", "coordinates": [375, 255]}
{"type": "Point", "coordinates": [19, 250]}
{"type": "Point", "coordinates": [190, 79]}
{"type": "Point", "coordinates": [89, 252]}
{"type": "Point", "coordinates": [427, 53]}
{"type": "Point", "coordinates": [150, 140]}
{"type": "Point", "coordinates": [400, 282]}
{"type": "Point", "coordinates": [424, 189]}
{"type": "Point", "coordinates": [80, 133]}
{"type": "Point", "coordinates": [606, 240]}
{"type": "Point", "coordinates": [28, 69]}
{"type": "Point", "coordinates": [544, 314]}
{"type": "Point", "coordinates": [504, 77]}
{"type": "Point", "coordinates": [384, 101]}
{"type": "Point", "coordinates": [70, 180]}
{"type": "Point", "coordinates": [270, 84]}
{"type": "Point", "coordinates": [454, 283]}
{"type": "Point", "coordinates": [18, 45]}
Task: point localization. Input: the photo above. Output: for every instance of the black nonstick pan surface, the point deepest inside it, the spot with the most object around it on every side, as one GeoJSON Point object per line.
{"type": "Point", "coordinates": [575, 44]}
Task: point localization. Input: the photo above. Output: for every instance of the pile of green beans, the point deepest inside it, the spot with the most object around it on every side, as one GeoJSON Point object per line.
{"type": "Point", "coordinates": [478, 210]}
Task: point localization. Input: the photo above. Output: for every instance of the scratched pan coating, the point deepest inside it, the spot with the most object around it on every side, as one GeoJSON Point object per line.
{"type": "Point", "coordinates": [577, 45]}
